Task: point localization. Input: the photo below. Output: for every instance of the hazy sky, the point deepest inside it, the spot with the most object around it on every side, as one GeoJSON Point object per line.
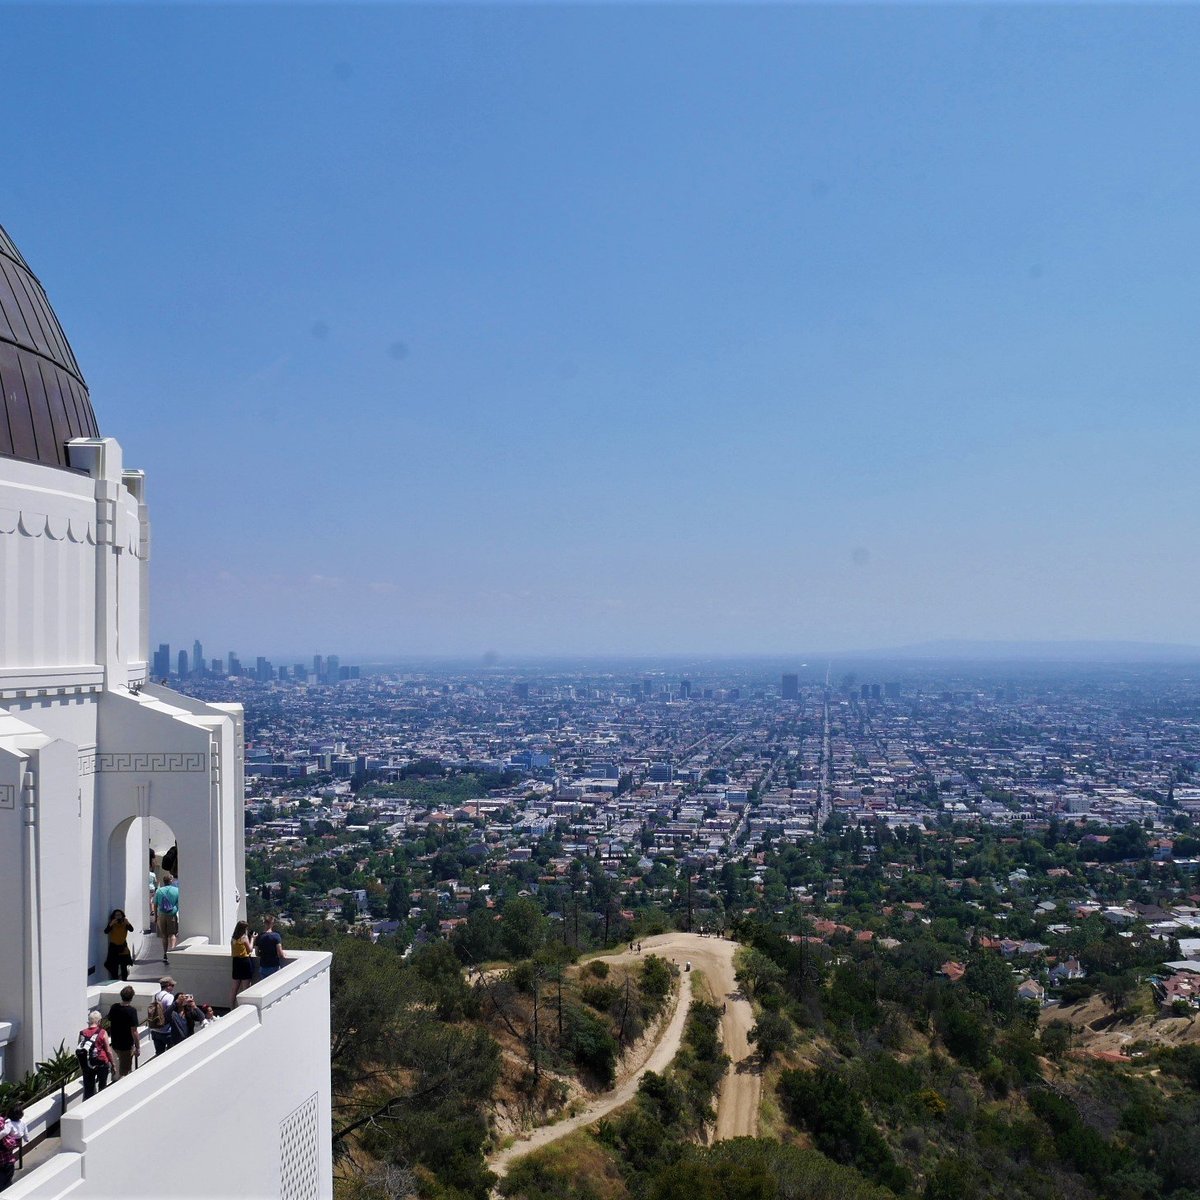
{"type": "Point", "coordinates": [631, 329]}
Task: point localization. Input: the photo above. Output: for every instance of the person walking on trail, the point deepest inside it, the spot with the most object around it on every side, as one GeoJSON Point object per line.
{"type": "Point", "coordinates": [243, 964]}
{"type": "Point", "coordinates": [269, 945]}
{"type": "Point", "coordinates": [123, 1033]}
{"type": "Point", "coordinates": [119, 955]}
{"type": "Point", "coordinates": [94, 1055]}
{"type": "Point", "coordinates": [166, 904]}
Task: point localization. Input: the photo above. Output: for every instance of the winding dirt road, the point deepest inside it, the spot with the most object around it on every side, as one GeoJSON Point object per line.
{"type": "Point", "coordinates": [737, 1100]}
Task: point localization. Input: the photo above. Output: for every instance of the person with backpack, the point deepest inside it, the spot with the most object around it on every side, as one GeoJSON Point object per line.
{"type": "Point", "coordinates": [10, 1151]}
{"type": "Point", "coordinates": [94, 1055]}
{"type": "Point", "coordinates": [158, 1021]}
{"type": "Point", "coordinates": [166, 904]}
{"type": "Point", "coordinates": [13, 1133]}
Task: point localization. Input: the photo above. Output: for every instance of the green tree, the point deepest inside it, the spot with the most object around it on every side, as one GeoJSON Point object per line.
{"type": "Point", "coordinates": [1056, 1040]}
{"type": "Point", "coordinates": [772, 1034]}
{"type": "Point", "coordinates": [522, 928]}
{"type": "Point", "coordinates": [407, 1087]}
{"type": "Point", "coordinates": [1116, 990]}
{"type": "Point", "coordinates": [989, 977]}
{"type": "Point", "coordinates": [756, 973]}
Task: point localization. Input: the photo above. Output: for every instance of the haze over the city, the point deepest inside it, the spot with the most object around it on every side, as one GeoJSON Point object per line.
{"type": "Point", "coordinates": [632, 330]}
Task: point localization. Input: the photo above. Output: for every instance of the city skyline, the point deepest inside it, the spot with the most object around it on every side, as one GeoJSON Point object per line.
{"type": "Point", "coordinates": [834, 327]}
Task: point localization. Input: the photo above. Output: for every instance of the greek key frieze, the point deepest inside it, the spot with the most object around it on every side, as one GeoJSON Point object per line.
{"type": "Point", "coordinates": [142, 762]}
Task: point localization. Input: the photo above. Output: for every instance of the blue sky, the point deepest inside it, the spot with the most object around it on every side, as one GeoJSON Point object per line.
{"type": "Point", "coordinates": [627, 329]}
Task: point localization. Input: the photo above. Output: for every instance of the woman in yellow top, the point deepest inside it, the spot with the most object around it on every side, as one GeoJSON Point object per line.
{"type": "Point", "coordinates": [119, 955]}
{"type": "Point", "coordinates": [243, 964]}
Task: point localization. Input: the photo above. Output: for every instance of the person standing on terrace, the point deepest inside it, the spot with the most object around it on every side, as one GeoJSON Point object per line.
{"type": "Point", "coordinates": [166, 904]}
{"type": "Point", "coordinates": [119, 955]}
{"type": "Point", "coordinates": [243, 964]}
{"type": "Point", "coordinates": [270, 949]}
{"type": "Point", "coordinates": [94, 1055]}
{"type": "Point", "coordinates": [159, 1016]}
{"type": "Point", "coordinates": [123, 1033]}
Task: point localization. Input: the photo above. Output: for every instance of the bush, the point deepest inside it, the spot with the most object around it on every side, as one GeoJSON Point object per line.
{"type": "Point", "coordinates": [657, 974]}
{"type": "Point", "coordinates": [1074, 991]}
{"type": "Point", "coordinates": [759, 1169]}
{"type": "Point", "coordinates": [600, 996]}
{"type": "Point", "coordinates": [55, 1072]}
{"type": "Point", "coordinates": [966, 1035]}
{"type": "Point", "coordinates": [890, 1081]}
{"type": "Point", "coordinates": [590, 1044]}
{"type": "Point", "coordinates": [824, 1104]}
{"type": "Point", "coordinates": [599, 968]}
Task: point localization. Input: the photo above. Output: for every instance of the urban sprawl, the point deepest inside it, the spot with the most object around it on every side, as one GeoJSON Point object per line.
{"type": "Point", "coordinates": [842, 803]}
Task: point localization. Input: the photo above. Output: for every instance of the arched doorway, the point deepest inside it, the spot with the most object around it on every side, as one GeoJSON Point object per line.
{"type": "Point", "coordinates": [137, 850]}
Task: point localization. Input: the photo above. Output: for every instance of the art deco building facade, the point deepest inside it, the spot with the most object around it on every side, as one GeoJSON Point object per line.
{"type": "Point", "coordinates": [98, 765]}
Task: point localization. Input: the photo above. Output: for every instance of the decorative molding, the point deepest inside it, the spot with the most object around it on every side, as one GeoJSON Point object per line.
{"type": "Point", "coordinates": [142, 762]}
{"type": "Point", "coordinates": [55, 527]}
{"type": "Point", "coordinates": [8, 795]}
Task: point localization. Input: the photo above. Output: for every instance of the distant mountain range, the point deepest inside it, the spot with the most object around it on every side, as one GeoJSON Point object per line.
{"type": "Point", "coordinates": [1070, 651]}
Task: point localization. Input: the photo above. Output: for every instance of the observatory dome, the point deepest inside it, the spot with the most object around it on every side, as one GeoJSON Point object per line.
{"type": "Point", "coordinates": [43, 399]}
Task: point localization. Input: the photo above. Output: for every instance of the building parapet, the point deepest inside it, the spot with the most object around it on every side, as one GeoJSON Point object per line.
{"type": "Point", "coordinates": [275, 1037]}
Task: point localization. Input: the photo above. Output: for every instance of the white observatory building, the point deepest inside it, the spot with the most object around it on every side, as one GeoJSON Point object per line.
{"type": "Point", "coordinates": [98, 765]}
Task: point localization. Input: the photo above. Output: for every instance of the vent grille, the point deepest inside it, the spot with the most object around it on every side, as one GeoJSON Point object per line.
{"type": "Point", "coordinates": [299, 1168]}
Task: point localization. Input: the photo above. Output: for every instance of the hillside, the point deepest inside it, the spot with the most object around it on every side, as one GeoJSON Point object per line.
{"type": "Point", "coordinates": [1098, 1030]}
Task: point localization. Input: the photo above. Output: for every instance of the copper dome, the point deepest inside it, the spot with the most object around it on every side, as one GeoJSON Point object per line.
{"type": "Point", "coordinates": [43, 398]}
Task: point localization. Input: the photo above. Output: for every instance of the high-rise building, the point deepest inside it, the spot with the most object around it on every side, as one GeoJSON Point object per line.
{"type": "Point", "coordinates": [300, 671]}
{"type": "Point", "coordinates": [791, 687]}
{"type": "Point", "coordinates": [235, 664]}
{"type": "Point", "coordinates": [162, 661]}
{"type": "Point", "coordinates": [332, 668]}
{"type": "Point", "coordinates": [685, 690]}
{"type": "Point", "coordinates": [197, 657]}
{"type": "Point", "coordinates": [891, 691]}
{"type": "Point", "coordinates": [100, 764]}
{"type": "Point", "coordinates": [182, 667]}
{"type": "Point", "coordinates": [262, 670]}
{"type": "Point", "coordinates": [318, 667]}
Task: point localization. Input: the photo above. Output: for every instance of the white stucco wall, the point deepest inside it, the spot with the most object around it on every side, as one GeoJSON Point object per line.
{"type": "Point", "coordinates": [100, 758]}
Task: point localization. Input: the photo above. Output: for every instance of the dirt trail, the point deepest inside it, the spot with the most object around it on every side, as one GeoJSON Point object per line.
{"type": "Point", "coordinates": [737, 1102]}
